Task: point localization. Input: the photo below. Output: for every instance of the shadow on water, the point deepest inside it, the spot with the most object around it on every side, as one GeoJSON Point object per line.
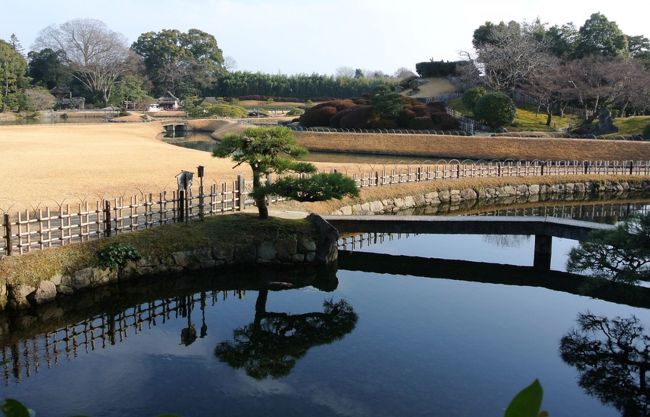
{"type": "Point", "coordinates": [273, 342]}
{"type": "Point", "coordinates": [612, 357]}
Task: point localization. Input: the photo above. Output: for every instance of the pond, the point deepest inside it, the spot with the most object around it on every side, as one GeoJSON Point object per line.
{"type": "Point", "coordinates": [204, 142]}
{"type": "Point", "coordinates": [383, 337]}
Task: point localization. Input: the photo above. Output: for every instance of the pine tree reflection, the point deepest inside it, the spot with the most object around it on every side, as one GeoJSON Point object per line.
{"type": "Point", "coordinates": [272, 344]}
{"type": "Point", "coordinates": [613, 358]}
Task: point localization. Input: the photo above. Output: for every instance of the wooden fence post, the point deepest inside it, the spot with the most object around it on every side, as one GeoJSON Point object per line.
{"type": "Point", "coordinates": [107, 219]}
{"type": "Point", "coordinates": [631, 167]}
{"type": "Point", "coordinates": [181, 205]}
{"type": "Point", "coordinates": [7, 221]}
{"type": "Point", "coordinates": [241, 186]}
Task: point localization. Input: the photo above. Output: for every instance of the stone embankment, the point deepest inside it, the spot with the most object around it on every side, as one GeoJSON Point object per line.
{"type": "Point", "coordinates": [318, 249]}
{"type": "Point", "coordinates": [457, 196]}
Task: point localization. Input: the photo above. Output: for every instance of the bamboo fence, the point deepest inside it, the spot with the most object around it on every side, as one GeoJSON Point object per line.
{"type": "Point", "coordinates": [29, 230]}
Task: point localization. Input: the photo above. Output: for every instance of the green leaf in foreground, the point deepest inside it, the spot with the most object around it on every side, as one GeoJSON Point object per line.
{"type": "Point", "coordinates": [13, 408]}
{"type": "Point", "coordinates": [527, 403]}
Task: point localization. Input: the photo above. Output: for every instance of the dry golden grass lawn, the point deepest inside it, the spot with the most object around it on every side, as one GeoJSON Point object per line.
{"type": "Point", "coordinates": [48, 163]}
{"type": "Point", "coordinates": [45, 164]}
{"type": "Point", "coordinates": [475, 147]}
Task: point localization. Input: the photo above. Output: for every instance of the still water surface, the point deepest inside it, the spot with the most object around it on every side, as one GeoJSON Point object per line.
{"type": "Point", "coordinates": [385, 345]}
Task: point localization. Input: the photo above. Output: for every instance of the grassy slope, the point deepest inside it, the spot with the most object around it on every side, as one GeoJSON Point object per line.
{"type": "Point", "coordinates": [631, 125]}
{"type": "Point", "coordinates": [227, 232]}
{"type": "Point", "coordinates": [476, 147]}
{"type": "Point", "coordinates": [525, 119]}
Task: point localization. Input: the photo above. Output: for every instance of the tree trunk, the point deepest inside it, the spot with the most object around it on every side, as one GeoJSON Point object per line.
{"type": "Point", "coordinates": [549, 115]}
{"type": "Point", "coordinates": [260, 201]}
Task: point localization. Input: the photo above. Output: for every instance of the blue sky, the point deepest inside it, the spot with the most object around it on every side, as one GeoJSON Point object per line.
{"type": "Point", "coordinates": [292, 36]}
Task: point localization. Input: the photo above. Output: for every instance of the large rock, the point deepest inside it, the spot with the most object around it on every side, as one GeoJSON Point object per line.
{"type": "Point", "coordinates": [266, 252]}
{"type": "Point", "coordinates": [285, 249]}
{"type": "Point", "coordinates": [17, 295]}
{"type": "Point", "coordinates": [45, 293]}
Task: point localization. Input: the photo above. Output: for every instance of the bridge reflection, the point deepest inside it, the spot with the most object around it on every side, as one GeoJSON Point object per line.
{"type": "Point", "coordinates": [483, 272]}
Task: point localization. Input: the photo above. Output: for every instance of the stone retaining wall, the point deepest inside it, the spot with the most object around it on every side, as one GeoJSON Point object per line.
{"type": "Point", "coordinates": [458, 196]}
{"type": "Point", "coordinates": [320, 249]}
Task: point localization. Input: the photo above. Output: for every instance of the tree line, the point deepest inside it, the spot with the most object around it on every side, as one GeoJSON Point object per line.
{"type": "Point", "coordinates": [92, 61]}
{"type": "Point", "coordinates": [593, 67]}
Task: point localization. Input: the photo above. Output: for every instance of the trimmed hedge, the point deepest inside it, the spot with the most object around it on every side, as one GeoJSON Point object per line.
{"type": "Point", "coordinates": [436, 69]}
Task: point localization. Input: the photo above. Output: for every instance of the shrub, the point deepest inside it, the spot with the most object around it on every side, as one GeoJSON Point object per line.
{"type": "Point", "coordinates": [295, 112]}
{"type": "Point", "coordinates": [436, 106]}
{"type": "Point", "coordinates": [357, 118]}
{"type": "Point", "coordinates": [216, 110]}
{"type": "Point", "coordinates": [405, 117]}
{"type": "Point", "coordinates": [421, 123]}
{"type": "Point", "coordinates": [472, 96]}
{"type": "Point", "coordinates": [646, 132]}
{"type": "Point", "coordinates": [317, 116]}
{"type": "Point", "coordinates": [495, 109]}
{"type": "Point", "coordinates": [383, 124]}
{"type": "Point", "coordinates": [117, 255]}
{"type": "Point", "coordinates": [318, 187]}
{"type": "Point", "coordinates": [444, 121]}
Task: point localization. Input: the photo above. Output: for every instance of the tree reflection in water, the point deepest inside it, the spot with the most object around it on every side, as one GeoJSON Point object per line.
{"type": "Point", "coordinates": [613, 358]}
{"type": "Point", "coordinates": [271, 345]}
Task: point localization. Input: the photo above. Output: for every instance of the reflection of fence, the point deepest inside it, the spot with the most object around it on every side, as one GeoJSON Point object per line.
{"type": "Point", "coordinates": [38, 229]}
{"type": "Point", "coordinates": [23, 358]}
{"type": "Point", "coordinates": [579, 212]}
{"type": "Point", "coordinates": [359, 241]}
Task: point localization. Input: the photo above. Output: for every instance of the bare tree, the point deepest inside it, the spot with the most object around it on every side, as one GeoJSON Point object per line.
{"type": "Point", "coordinates": [229, 63]}
{"type": "Point", "coordinates": [513, 55]}
{"type": "Point", "coordinates": [97, 55]}
{"type": "Point", "coordinates": [403, 73]}
{"type": "Point", "coordinates": [347, 72]}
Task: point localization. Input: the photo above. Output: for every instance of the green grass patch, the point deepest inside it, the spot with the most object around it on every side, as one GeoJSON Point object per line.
{"type": "Point", "coordinates": [458, 105]}
{"type": "Point", "coordinates": [530, 120]}
{"type": "Point", "coordinates": [633, 125]}
{"type": "Point", "coordinates": [231, 231]}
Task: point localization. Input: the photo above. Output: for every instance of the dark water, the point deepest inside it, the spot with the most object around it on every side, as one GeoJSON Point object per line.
{"type": "Point", "coordinates": [204, 142]}
{"type": "Point", "coordinates": [600, 209]}
{"type": "Point", "coordinates": [460, 342]}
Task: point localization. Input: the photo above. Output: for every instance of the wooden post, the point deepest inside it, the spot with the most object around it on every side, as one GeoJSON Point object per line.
{"type": "Point", "coordinates": [107, 219]}
{"type": "Point", "coordinates": [181, 205]}
{"type": "Point", "coordinates": [543, 166]}
{"type": "Point", "coordinates": [631, 167]}
{"type": "Point", "coordinates": [7, 221]}
{"type": "Point", "coordinates": [201, 198]}
{"type": "Point", "coordinates": [241, 185]}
